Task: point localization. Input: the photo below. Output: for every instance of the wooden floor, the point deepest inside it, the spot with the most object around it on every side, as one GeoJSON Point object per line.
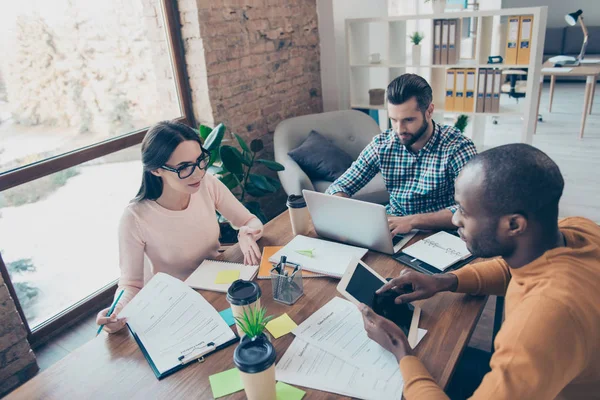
{"type": "Point", "coordinates": [558, 136]}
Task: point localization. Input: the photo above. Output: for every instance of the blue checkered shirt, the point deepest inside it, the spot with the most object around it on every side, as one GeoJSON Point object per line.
{"type": "Point", "coordinates": [418, 183]}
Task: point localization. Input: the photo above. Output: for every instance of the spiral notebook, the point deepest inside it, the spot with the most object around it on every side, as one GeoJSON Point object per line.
{"type": "Point", "coordinates": [441, 250]}
{"type": "Point", "coordinates": [205, 277]}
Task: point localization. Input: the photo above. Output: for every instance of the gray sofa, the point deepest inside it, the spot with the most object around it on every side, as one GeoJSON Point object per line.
{"type": "Point", "coordinates": [566, 41]}
{"type": "Point", "coordinates": [350, 130]}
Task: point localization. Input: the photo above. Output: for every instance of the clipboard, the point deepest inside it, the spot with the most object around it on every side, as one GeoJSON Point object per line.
{"type": "Point", "coordinates": [160, 376]}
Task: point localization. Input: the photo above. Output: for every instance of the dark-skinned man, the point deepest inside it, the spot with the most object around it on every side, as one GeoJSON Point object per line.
{"type": "Point", "coordinates": [548, 345]}
{"type": "Point", "coordinates": [418, 158]}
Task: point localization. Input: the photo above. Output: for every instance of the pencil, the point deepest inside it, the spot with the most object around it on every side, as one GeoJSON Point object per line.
{"type": "Point", "coordinates": [111, 309]}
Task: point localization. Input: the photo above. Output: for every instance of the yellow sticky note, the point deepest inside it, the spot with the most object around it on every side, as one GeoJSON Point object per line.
{"type": "Point", "coordinates": [281, 325]}
{"type": "Point", "coordinates": [227, 276]}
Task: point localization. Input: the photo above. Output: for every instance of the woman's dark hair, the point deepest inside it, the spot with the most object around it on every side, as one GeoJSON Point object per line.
{"type": "Point", "coordinates": [158, 145]}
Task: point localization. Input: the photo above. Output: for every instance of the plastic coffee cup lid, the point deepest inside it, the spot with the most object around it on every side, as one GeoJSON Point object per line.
{"type": "Point", "coordinates": [254, 355]}
{"type": "Point", "coordinates": [296, 201]}
{"type": "Point", "coordinates": [242, 293]}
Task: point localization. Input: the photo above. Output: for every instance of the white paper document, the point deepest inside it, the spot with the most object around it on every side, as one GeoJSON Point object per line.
{"type": "Point", "coordinates": [172, 320]}
{"type": "Point", "coordinates": [205, 275]}
{"type": "Point", "coordinates": [338, 328]}
{"type": "Point", "coordinates": [441, 250]}
{"type": "Point", "coordinates": [328, 258]}
{"type": "Point", "coordinates": [306, 365]}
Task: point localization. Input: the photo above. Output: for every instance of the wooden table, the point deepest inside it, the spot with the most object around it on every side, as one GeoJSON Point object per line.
{"type": "Point", "coordinates": [591, 73]}
{"type": "Point", "coordinates": [112, 366]}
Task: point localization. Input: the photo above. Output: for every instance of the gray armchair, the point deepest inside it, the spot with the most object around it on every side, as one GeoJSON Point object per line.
{"type": "Point", "coordinates": [349, 130]}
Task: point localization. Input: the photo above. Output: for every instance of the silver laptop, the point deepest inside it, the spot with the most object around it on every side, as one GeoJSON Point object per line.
{"type": "Point", "coordinates": [354, 222]}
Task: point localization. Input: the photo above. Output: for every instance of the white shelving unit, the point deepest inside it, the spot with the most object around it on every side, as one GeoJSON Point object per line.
{"type": "Point", "coordinates": [389, 36]}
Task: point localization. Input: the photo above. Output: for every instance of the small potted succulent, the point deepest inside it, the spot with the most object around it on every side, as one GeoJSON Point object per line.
{"type": "Point", "coordinates": [416, 39]}
{"type": "Point", "coordinates": [255, 356]}
{"type": "Point", "coordinates": [461, 123]}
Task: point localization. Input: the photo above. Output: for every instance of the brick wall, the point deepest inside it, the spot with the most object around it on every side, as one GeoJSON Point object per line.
{"type": "Point", "coordinates": [17, 361]}
{"type": "Point", "coordinates": [252, 64]}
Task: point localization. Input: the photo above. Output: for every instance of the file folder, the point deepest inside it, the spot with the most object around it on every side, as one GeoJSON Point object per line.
{"type": "Point", "coordinates": [480, 90]}
{"type": "Point", "coordinates": [452, 41]}
{"type": "Point", "coordinates": [469, 91]}
{"type": "Point", "coordinates": [444, 55]}
{"type": "Point", "coordinates": [450, 78]}
{"type": "Point", "coordinates": [459, 88]}
{"type": "Point", "coordinates": [526, 26]}
{"type": "Point", "coordinates": [512, 40]}
{"type": "Point", "coordinates": [437, 41]}
{"type": "Point", "coordinates": [497, 88]}
{"type": "Point", "coordinates": [489, 90]}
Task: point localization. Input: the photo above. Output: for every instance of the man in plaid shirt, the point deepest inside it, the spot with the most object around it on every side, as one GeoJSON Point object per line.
{"type": "Point", "coordinates": [418, 158]}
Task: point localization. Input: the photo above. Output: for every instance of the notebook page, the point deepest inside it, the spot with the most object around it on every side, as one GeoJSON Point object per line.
{"type": "Point", "coordinates": [172, 320]}
{"type": "Point", "coordinates": [204, 276]}
{"type": "Point", "coordinates": [440, 250]}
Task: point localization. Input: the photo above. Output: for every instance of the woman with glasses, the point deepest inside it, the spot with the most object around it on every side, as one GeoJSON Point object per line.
{"type": "Point", "coordinates": [172, 220]}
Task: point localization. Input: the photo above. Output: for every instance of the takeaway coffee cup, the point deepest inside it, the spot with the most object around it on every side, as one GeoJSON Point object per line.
{"type": "Point", "coordinates": [255, 359]}
{"type": "Point", "coordinates": [243, 295]}
{"type": "Point", "coordinates": [299, 215]}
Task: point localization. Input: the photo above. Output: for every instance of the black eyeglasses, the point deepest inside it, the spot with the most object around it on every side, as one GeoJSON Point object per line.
{"type": "Point", "coordinates": [187, 169]}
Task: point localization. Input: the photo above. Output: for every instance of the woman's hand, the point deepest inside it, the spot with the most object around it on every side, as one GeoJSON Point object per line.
{"type": "Point", "coordinates": [248, 246]}
{"type": "Point", "coordinates": [385, 333]}
{"type": "Point", "coordinates": [111, 324]}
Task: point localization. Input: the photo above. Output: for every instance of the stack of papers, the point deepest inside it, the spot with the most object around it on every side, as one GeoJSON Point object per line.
{"type": "Point", "coordinates": [332, 352]}
{"type": "Point", "coordinates": [441, 250]}
{"type": "Point", "coordinates": [326, 258]}
{"type": "Point", "coordinates": [218, 275]}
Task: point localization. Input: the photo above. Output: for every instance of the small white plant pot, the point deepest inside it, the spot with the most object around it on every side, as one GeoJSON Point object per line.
{"type": "Point", "coordinates": [416, 54]}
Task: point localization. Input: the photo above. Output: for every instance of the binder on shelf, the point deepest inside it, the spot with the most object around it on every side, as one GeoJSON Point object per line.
{"type": "Point", "coordinates": [444, 53]}
{"type": "Point", "coordinates": [496, 94]}
{"type": "Point", "coordinates": [452, 41]}
{"type": "Point", "coordinates": [450, 79]}
{"type": "Point", "coordinates": [459, 87]}
{"type": "Point", "coordinates": [437, 41]}
{"type": "Point", "coordinates": [512, 40]}
{"type": "Point", "coordinates": [489, 90]}
{"type": "Point", "coordinates": [480, 90]}
{"type": "Point", "coordinates": [526, 25]}
{"type": "Point", "coordinates": [469, 90]}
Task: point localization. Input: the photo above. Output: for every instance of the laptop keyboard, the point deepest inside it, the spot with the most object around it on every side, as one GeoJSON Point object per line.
{"type": "Point", "coordinates": [396, 239]}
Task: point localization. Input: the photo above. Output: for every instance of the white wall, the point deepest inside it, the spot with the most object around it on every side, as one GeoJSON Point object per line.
{"type": "Point", "coordinates": [334, 67]}
{"type": "Point", "coordinates": [558, 8]}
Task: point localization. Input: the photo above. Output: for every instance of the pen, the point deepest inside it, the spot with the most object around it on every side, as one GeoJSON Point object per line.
{"type": "Point", "coordinates": [110, 310]}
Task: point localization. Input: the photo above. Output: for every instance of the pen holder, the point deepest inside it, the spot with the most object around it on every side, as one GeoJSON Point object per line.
{"type": "Point", "coordinates": [287, 289]}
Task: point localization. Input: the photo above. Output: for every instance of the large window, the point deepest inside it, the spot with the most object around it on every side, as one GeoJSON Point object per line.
{"type": "Point", "coordinates": [80, 82]}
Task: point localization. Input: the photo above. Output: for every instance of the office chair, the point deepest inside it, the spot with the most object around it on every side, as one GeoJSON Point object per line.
{"type": "Point", "coordinates": [515, 85]}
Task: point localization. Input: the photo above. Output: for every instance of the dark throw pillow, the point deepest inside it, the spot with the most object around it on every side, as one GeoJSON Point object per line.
{"type": "Point", "coordinates": [320, 159]}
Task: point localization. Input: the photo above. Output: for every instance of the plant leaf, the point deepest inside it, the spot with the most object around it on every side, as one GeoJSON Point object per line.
{"type": "Point", "coordinates": [273, 182]}
{"type": "Point", "coordinates": [232, 159]}
{"type": "Point", "coordinates": [255, 209]}
{"type": "Point", "coordinates": [262, 183]}
{"type": "Point", "coordinates": [252, 190]}
{"type": "Point", "coordinates": [257, 145]}
{"type": "Point", "coordinates": [213, 141]}
{"type": "Point", "coordinates": [242, 143]}
{"type": "Point", "coordinates": [204, 131]}
{"type": "Point", "coordinates": [272, 165]}
{"type": "Point", "coordinates": [229, 181]}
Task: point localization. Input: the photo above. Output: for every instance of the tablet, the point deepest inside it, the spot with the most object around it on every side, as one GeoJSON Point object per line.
{"type": "Point", "coordinates": [359, 283]}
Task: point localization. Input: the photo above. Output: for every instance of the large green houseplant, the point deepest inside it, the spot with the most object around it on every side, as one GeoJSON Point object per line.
{"type": "Point", "coordinates": [234, 167]}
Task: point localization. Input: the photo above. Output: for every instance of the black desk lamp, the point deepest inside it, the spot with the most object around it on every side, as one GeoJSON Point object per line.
{"type": "Point", "coordinates": [572, 19]}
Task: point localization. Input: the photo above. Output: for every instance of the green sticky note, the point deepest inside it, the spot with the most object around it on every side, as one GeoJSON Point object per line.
{"type": "Point", "coordinates": [287, 392]}
{"type": "Point", "coordinates": [225, 383]}
{"type": "Point", "coordinates": [281, 325]}
{"type": "Point", "coordinates": [227, 276]}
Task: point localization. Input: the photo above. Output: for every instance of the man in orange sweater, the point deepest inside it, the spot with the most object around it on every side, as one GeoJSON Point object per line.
{"type": "Point", "coordinates": [549, 344]}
